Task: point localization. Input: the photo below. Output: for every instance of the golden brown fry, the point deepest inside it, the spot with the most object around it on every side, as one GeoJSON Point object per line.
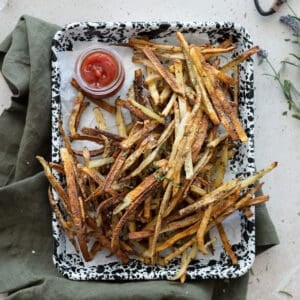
{"type": "Point", "coordinates": [57, 167]}
{"type": "Point", "coordinates": [92, 153]}
{"type": "Point", "coordinates": [226, 244]}
{"type": "Point", "coordinates": [159, 219]}
{"type": "Point", "coordinates": [99, 118]}
{"type": "Point", "coordinates": [146, 144]}
{"type": "Point", "coordinates": [171, 241]}
{"type": "Point", "coordinates": [138, 87]}
{"type": "Point", "coordinates": [55, 184]}
{"type": "Point", "coordinates": [104, 241]}
{"type": "Point", "coordinates": [135, 111]}
{"type": "Point", "coordinates": [86, 137]}
{"type": "Point", "coordinates": [115, 170]}
{"type": "Point", "coordinates": [169, 78]}
{"type": "Point", "coordinates": [181, 223]}
{"type": "Point", "coordinates": [139, 191]}
{"type": "Point", "coordinates": [96, 163]}
{"type": "Point", "coordinates": [74, 206]}
{"type": "Point", "coordinates": [150, 158]}
{"type": "Point", "coordinates": [65, 138]}
{"type": "Point", "coordinates": [61, 220]}
{"type": "Point", "coordinates": [96, 132]}
{"type": "Point", "coordinates": [134, 200]}
{"type": "Point", "coordinates": [139, 235]}
{"type": "Point", "coordinates": [222, 191]}
{"type": "Point", "coordinates": [92, 173]}
{"type": "Point", "coordinates": [202, 229]}
{"type": "Point", "coordinates": [146, 111]}
{"type": "Point", "coordinates": [200, 137]}
{"type": "Point", "coordinates": [187, 257]}
{"type": "Point", "coordinates": [217, 50]}
{"type": "Point", "coordinates": [239, 59]}
{"type": "Point", "coordinates": [134, 42]}
{"type": "Point", "coordinates": [258, 175]}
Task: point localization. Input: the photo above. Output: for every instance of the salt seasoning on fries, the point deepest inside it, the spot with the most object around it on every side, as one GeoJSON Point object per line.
{"type": "Point", "coordinates": [154, 190]}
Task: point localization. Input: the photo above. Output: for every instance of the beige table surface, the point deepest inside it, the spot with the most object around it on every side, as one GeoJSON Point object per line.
{"type": "Point", "coordinates": [277, 270]}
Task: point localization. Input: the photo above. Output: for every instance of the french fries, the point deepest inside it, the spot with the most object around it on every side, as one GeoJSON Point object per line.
{"type": "Point", "coordinates": [156, 188]}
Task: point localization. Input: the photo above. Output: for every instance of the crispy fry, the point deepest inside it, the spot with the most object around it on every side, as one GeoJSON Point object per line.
{"type": "Point", "coordinates": [75, 208]}
{"type": "Point", "coordinates": [222, 191]}
{"type": "Point", "coordinates": [135, 111]}
{"type": "Point", "coordinates": [146, 111]}
{"type": "Point", "coordinates": [134, 200]}
{"type": "Point", "coordinates": [115, 170]}
{"type": "Point", "coordinates": [226, 244]}
{"type": "Point", "coordinates": [61, 220]}
{"type": "Point", "coordinates": [86, 137]}
{"type": "Point", "coordinates": [186, 258]}
{"type": "Point", "coordinates": [138, 87]}
{"type": "Point", "coordinates": [202, 229]}
{"type": "Point", "coordinates": [99, 133]}
{"type": "Point", "coordinates": [171, 241]}
{"type": "Point", "coordinates": [93, 153]}
{"type": "Point", "coordinates": [160, 214]}
{"type": "Point", "coordinates": [237, 60]}
{"type": "Point", "coordinates": [138, 192]}
{"type": "Point", "coordinates": [55, 184]}
{"type": "Point", "coordinates": [179, 250]}
{"type": "Point", "coordinates": [162, 70]}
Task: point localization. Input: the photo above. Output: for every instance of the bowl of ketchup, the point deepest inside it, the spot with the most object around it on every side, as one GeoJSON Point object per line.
{"type": "Point", "coordinates": [99, 71]}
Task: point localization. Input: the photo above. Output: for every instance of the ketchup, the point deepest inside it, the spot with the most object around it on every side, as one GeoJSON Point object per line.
{"type": "Point", "coordinates": [99, 69]}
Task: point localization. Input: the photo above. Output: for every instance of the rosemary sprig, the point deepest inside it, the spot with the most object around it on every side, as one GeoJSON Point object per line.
{"type": "Point", "coordinates": [289, 89]}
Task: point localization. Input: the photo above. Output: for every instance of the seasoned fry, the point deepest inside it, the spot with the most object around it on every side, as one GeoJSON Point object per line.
{"type": "Point", "coordinates": [163, 71]}
{"type": "Point", "coordinates": [202, 230]}
{"type": "Point", "coordinates": [55, 184]}
{"type": "Point", "coordinates": [239, 59]}
{"type": "Point", "coordinates": [135, 111]}
{"type": "Point", "coordinates": [226, 244]}
{"type": "Point", "coordinates": [74, 206]}
{"type": "Point", "coordinates": [185, 261]}
{"type": "Point", "coordinates": [99, 133]}
{"type": "Point", "coordinates": [138, 192]}
{"type": "Point", "coordinates": [115, 170]}
{"type": "Point", "coordinates": [93, 153]}
{"type": "Point", "coordinates": [138, 87]}
{"type": "Point", "coordinates": [159, 219]}
{"type": "Point", "coordinates": [146, 111]}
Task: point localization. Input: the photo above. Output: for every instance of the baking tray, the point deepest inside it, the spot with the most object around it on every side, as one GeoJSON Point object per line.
{"type": "Point", "coordinates": [67, 43]}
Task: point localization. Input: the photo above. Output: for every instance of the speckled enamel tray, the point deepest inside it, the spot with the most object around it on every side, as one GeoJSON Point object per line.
{"type": "Point", "coordinates": [240, 230]}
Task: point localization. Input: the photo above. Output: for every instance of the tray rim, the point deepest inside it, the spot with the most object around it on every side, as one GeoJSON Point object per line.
{"type": "Point", "coordinates": [129, 25]}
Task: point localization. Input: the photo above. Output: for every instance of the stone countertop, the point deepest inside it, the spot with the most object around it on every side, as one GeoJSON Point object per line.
{"type": "Point", "coordinates": [275, 272]}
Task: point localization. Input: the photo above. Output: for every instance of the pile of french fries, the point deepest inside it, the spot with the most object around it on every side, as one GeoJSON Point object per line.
{"type": "Point", "coordinates": [154, 190]}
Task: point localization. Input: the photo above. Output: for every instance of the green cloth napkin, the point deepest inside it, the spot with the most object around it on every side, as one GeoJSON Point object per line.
{"type": "Point", "coordinates": [26, 245]}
